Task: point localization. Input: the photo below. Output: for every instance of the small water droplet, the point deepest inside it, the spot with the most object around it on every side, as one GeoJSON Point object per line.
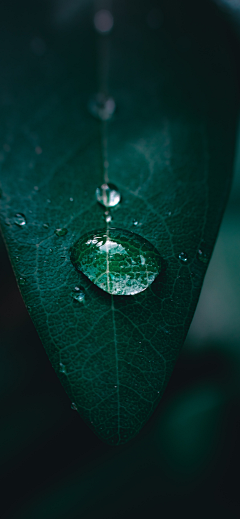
{"type": "Point", "coordinates": [73, 406]}
{"type": "Point", "coordinates": [61, 231]}
{"type": "Point", "coordinates": [117, 261]}
{"type": "Point", "coordinates": [51, 251]}
{"type": "Point", "coordinates": [183, 257]}
{"type": "Point", "coordinates": [78, 295]}
{"type": "Point", "coordinates": [71, 199]}
{"type": "Point", "coordinates": [169, 213]}
{"type": "Point", "coordinates": [103, 21]}
{"type": "Point", "coordinates": [17, 258]}
{"type": "Point", "coordinates": [135, 222]}
{"type": "Point", "coordinates": [108, 195]}
{"type": "Point", "coordinates": [22, 281]}
{"type": "Point", "coordinates": [45, 225]}
{"type": "Point", "coordinates": [20, 220]}
{"type": "Point", "coordinates": [108, 218]}
{"type": "Point", "coordinates": [102, 107]}
{"type": "Point", "coordinates": [202, 256]}
{"type": "Point", "coordinates": [62, 368]}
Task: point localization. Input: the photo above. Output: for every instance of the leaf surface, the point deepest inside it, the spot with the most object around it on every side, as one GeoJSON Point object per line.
{"type": "Point", "coordinates": [170, 153]}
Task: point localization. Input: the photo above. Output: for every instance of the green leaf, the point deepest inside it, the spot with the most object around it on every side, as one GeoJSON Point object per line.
{"type": "Point", "coordinates": [170, 153]}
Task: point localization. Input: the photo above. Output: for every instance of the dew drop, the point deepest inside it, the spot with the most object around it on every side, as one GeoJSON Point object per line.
{"type": "Point", "coordinates": [22, 281]}
{"type": "Point", "coordinates": [117, 261]}
{"type": "Point", "coordinates": [108, 218]}
{"type": "Point", "coordinates": [202, 256]}
{"type": "Point", "coordinates": [183, 257]}
{"type": "Point", "coordinates": [62, 368]}
{"type": "Point", "coordinates": [108, 195]}
{"type": "Point", "coordinates": [45, 225]}
{"type": "Point", "coordinates": [62, 231]}
{"type": "Point", "coordinates": [103, 21]}
{"type": "Point", "coordinates": [51, 251]}
{"type": "Point", "coordinates": [135, 222]}
{"type": "Point", "coordinates": [73, 406]}
{"type": "Point", "coordinates": [71, 199]}
{"type": "Point", "coordinates": [78, 295]}
{"type": "Point", "coordinates": [102, 107]}
{"type": "Point", "coordinates": [20, 220]}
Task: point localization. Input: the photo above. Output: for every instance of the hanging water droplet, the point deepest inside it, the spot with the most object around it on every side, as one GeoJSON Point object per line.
{"type": "Point", "coordinates": [73, 406]}
{"type": "Point", "coordinates": [108, 218]}
{"type": "Point", "coordinates": [108, 195]}
{"type": "Point", "coordinates": [102, 107]}
{"type": "Point", "coordinates": [78, 295]}
{"type": "Point", "coordinates": [202, 256]}
{"type": "Point", "coordinates": [22, 281]}
{"type": "Point", "coordinates": [61, 231]}
{"type": "Point", "coordinates": [62, 368]}
{"type": "Point", "coordinates": [118, 261]}
{"type": "Point", "coordinates": [20, 220]}
{"type": "Point", "coordinates": [183, 257]}
{"type": "Point", "coordinates": [45, 225]}
{"type": "Point", "coordinates": [103, 21]}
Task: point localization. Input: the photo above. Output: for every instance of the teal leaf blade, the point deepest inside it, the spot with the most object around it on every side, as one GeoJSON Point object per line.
{"type": "Point", "coordinates": [170, 153]}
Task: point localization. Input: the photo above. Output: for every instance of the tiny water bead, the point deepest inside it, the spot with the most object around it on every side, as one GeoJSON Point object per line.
{"type": "Point", "coordinates": [183, 257]}
{"type": "Point", "coordinates": [73, 406]}
{"type": "Point", "coordinates": [119, 262]}
{"type": "Point", "coordinates": [20, 220]}
{"type": "Point", "coordinates": [22, 281]}
{"type": "Point", "coordinates": [78, 295]}
{"type": "Point", "coordinates": [62, 231]}
{"type": "Point", "coordinates": [102, 107]}
{"type": "Point", "coordinates": [62, 368]}
{"type": "Point", "coordinates": [108, 195]}
{"type": "Point", "coordinates": [45, 225]}
{"type": "Point", "coordinates": [202, 256]}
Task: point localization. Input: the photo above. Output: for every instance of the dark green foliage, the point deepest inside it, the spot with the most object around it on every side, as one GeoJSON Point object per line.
{"type": "Point", "coordinates": [171, 145]}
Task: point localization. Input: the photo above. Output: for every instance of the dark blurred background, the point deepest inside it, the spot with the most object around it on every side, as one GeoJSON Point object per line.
{"type": "Point", "coordinates": [186, 460]}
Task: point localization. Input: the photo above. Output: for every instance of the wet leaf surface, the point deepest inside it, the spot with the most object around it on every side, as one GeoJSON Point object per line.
{"type": "Point", "coordinates": [171, 147]}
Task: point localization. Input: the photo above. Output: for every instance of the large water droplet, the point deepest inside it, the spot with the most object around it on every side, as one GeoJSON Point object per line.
{"type": "Point", "coordinates": [118, 261]}
{"type": "Point", "coordinates": [78, 295]}
{"type": "Point", "coordinates": [183, 257]}
{"type": "Point", "coordinates": [20, 220]}
{"type": "Point", "coordinates": [108, 195]}
{"type": "Point", "coordinates": [61, 232]}
{"type": "Point", "coordinates": [202, 256]}
{"type": "Point", "coordinates": [102, 107]}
